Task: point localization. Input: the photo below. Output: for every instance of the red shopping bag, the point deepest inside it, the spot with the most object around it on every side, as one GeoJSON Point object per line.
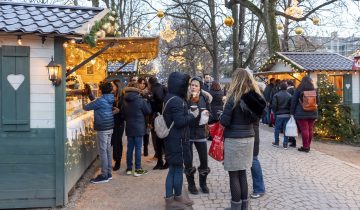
{"type": "Point", "coordinates": [272, 118]}
{"type": "Point", "coordinates": [216, 150]}
{"type": "Point", "coordinates": [213, 129]}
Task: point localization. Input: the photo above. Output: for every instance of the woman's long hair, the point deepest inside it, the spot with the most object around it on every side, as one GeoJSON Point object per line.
{"type": "Point", "coordinates": [242, 83]}
{"type": "Point", "coordinates": [118, 84]}
{"type": "Point", "coordinates": [306, 84]}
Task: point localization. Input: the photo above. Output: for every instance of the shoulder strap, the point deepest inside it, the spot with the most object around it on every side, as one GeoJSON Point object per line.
{"type": "Point", "coordinates": [166, 104]}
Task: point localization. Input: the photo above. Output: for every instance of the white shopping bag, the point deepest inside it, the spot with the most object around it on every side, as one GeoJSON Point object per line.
{"type": "Point", "coordinates": [291, 128]}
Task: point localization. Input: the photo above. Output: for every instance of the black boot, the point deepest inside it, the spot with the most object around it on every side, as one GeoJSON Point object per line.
{"type": "Point", "coordinates": [146, 151]}
{"type": "Point", "coordinates": [116, 166]}
{"type": "Point", "coordinates": [191, 180]}
{"type": "Point", "coordinates": [202, 179]}
{"type": "Point", "coordinates": [159, 165]}
{"type": "Point", "coordinates": [165, 166]}
{"type": "Point", "coordinates": [245, 204]}
{"type": "Point", "coordinates": [292, 141]}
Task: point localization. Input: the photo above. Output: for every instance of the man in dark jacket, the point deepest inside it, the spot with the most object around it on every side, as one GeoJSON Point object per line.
{"type": "Point", "coordinates": [158, 92]}
{"type": "Point", "coordinates": [267, 94]}
{"type": "Point", "coordinates": [281, 103]}
{"type": "Point", "coordinates": [177, 146]}
{"type": "Point", "coordinates": [103, 124]}
{"type": "Point", "coordinates": [135, 110]}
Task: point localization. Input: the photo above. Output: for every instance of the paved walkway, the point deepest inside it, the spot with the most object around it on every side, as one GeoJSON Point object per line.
{"type": "Point", "coordinates": [293, 180]}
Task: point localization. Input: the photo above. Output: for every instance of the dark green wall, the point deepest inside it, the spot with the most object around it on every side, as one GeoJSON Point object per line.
{"type": "Point", "coordinates": [27, 169]}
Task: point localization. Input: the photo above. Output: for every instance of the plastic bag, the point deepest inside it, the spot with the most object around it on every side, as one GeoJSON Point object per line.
{"type": "Point", "coordinates": [291, 129]}
{"type": "Point", "coordinates": [216, 150]}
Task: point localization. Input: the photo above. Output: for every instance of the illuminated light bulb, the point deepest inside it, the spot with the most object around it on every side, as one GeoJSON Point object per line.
{"type": "Point", "coordinates": [92, 62]}
{"type": "Point", "coordinates": [19, 40]}
{"type": "Point", "coordinates": [65, 45]}
{"type": "Point", "coordinates": [72, 41]}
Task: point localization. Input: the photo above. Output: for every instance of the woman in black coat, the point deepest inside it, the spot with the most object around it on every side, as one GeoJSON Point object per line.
{"type": "Point", "coordinates": [177, 147]}
{"type": "Point", "coordinates": [198, 136]}
{"type": "Point", "coordinates": [244, 106]}
{"type": "Point", "coordinates": [116, 138]}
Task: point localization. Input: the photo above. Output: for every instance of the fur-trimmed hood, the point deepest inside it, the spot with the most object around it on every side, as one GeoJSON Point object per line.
{"type": "Point", "coordinates": [131, 93]}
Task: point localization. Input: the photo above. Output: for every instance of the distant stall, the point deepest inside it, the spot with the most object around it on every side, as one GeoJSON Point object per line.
{"type": "Point", "coordinates": [339, 70]}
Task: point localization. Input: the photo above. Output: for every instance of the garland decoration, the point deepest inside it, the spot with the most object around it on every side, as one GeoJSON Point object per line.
{"type": "Point", "coordinates": [106, 27]}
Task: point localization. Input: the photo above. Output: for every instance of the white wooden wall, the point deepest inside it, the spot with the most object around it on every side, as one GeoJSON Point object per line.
{"type": "Point", "coordinates": [281, 67]}
{"type": "Point", "coordinates": [42, 92]}
{"type": "Point", "coordinates": [356, 88]}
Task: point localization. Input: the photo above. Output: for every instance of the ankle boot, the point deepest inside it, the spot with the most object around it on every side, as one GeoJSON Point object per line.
{"type": "Point", "coordinates": [116, 166]}
{"type": "Point", "coordinates": [191, 180]}
{"type": "Point", "coordinates": [245, 204]}
{"type": "Point", "coordinates": [203, 173]}
{"type": "Point", "coordinates": [235, 206]}
{"type": "Point", "coordinates": [172, 204]}
{"type": "Point", "coordinates": [165, 166]}
{"type": "Point", "coordinates": [183, 199]}
{"type": "Point", "coordinates": [159, 165]}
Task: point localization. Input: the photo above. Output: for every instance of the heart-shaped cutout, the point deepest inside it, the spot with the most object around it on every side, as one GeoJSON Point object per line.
{"type": "Point", "coordinates": [15, 80]}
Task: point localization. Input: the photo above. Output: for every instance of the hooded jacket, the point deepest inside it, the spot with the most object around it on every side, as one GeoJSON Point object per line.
{"type": "Point", "coordinates": [236, 121]}
{"type": "Point", "coordinates": [135, 109]}
{"type": "Point", "coordinates": [177, 146]}
{"type": "Point", "coordinates": [103, 116]}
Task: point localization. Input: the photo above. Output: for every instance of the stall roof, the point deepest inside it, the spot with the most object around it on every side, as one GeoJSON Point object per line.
{"type": "Point", "coordinates": [48, 19]}
{"type": "Point", "coordinates": [125, 49]}
{"type": "Point", "coordinates": [311, 61]}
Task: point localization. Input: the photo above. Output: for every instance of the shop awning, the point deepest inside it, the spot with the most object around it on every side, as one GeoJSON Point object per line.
{"type": "Point", "coordinates": [119, 49]}
{"type": "Point", "coordinates": [125, 49]}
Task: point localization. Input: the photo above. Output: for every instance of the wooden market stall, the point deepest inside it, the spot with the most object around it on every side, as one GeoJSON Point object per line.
{"type": "Point", "coordinates": [46, 139]}
{"type": "Point", "coordinates": [335, 67]}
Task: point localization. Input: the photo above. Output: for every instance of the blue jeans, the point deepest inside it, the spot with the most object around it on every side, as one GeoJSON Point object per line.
{"type": "Point", "coordinates": [104, 145]}
{"type": "Point", "coordinates": [280, 122]}
{"type": "Point", "coordinates": [134, 142]}
{"type": "Point", "coordinates": [257, 176]}
{"type": "Point", "coordinates": [174, 181]}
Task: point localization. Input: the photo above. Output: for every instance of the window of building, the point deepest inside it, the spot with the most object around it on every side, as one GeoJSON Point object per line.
{"type": "Point", "coordinates": [338, 81]}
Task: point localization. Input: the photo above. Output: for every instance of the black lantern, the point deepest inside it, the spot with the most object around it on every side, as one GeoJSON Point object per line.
{"type": "Point", "coordinates": [54, 72]}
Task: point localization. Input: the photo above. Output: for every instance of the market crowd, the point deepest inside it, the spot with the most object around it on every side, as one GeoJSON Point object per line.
{"type": "Point", "coordinates": [188, 105]}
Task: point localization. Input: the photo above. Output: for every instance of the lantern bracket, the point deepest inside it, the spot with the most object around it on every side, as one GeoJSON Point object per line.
{"type": "Point", "coordinates": [90, 58]}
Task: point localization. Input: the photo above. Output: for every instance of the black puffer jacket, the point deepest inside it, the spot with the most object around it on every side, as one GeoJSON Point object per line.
{"type": "Point", "coordinates": [281, 103]}
{"type": "Point", "coordinates": [297, 110]}
{"type": "Point", "coordinates": [177, 146]}
{"type": "Point", "coordinates": [135, 109]}
{"type": "Point", "coordinates": [198, 131]}
{"type": "Point", "coordinates": [217, 104]}
{"type": "Point", "coordinates": [236, 124]}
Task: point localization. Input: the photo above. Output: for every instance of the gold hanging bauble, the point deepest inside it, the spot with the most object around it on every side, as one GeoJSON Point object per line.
{"type": "Point", "coordinates": [160, 14]}
{"type": "Point", "coordinates": [299, 31]}
{"type": "Point", "coordinates": [280, 26]}
{"type": "Point", "coordinates": [229, 21]}
{"type": "Point", "coordinates": [316, 21]}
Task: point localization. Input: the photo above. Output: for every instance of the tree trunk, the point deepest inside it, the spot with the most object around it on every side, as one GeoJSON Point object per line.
{"type": "Point", "coordinates": [269, 22]}
{"type": "Point", "coordinates": [215, 48]}
{"type": "Point", "coordinates": [241, 32]}
{"type": "Point", "coordinates": [235, 11]}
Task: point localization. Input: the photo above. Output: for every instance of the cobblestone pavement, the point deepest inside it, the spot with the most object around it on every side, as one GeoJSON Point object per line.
{"type": "Point", "coordinates": [293, 180]}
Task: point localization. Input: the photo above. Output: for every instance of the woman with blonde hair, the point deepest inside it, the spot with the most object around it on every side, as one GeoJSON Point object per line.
{"type": "Point", "coordinates": [244, 106]}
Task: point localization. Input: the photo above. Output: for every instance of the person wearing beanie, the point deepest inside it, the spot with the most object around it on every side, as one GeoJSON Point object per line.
{"type": "Point", "coordinates": [201, 100]}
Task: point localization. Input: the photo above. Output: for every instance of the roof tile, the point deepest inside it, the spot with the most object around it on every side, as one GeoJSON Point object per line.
{"type": "Point", "coordinates": [32, 18]}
